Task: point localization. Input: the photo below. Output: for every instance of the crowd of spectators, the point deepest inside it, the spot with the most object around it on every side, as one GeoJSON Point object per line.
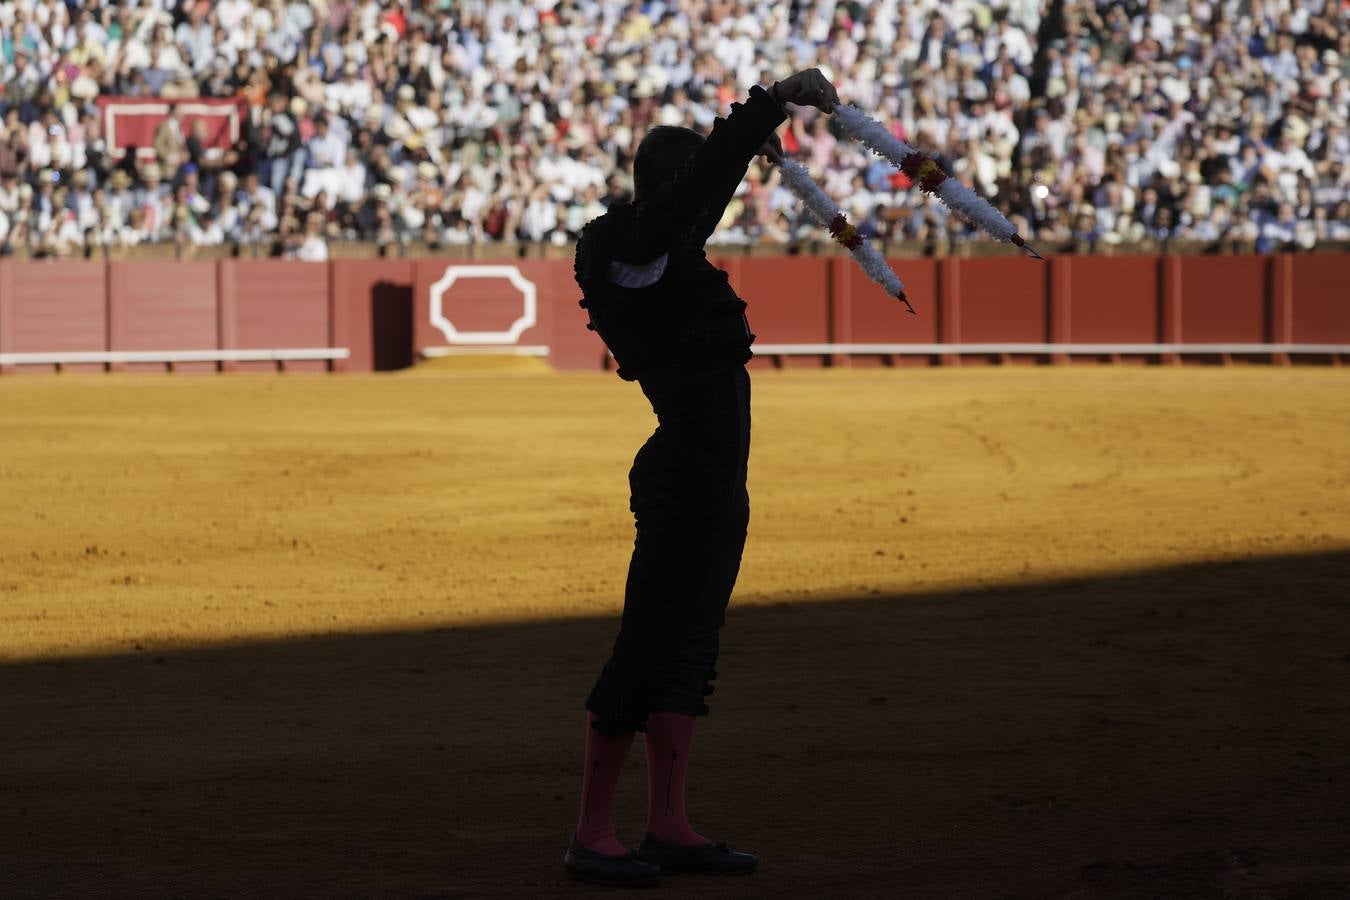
{"type": "Point", "coordinates": [488, 120]}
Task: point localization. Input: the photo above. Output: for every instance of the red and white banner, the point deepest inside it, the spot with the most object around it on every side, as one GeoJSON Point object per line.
{"type": "Point", "coordinates": [131, 121]}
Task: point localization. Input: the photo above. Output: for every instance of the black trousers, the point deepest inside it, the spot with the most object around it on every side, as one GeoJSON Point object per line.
{"type": "Point", "coordinates": [691, 508]}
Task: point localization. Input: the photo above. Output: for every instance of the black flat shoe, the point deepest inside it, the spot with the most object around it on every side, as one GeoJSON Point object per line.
{"type": "Point", "coordinates": [601, 868]}
{"type": "Point", "coordinates": [713, 858]}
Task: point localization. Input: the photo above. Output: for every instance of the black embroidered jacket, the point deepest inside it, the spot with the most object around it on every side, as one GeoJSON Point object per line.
{"type": "Point", "coordinates": [653, 296]}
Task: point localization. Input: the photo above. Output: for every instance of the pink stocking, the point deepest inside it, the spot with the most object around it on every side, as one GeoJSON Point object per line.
{"type": "Point", "coordinates": [604, 763]}
{"type": "Point", "coordinates": [669, 738]}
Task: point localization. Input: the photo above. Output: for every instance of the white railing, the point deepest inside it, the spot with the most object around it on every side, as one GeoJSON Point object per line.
{"type": "Point", "coordinates": [505, 350]}
{"type": "Point", "coordinates": [113, 357]}
{"type": "Point", "coordinates": [957, 349]}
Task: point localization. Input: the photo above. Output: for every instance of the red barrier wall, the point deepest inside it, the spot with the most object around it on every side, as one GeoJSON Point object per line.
{"type": "Point", "coordinates": [1105, 299]}
{"type": "Point", "coordinates": [788, 300]}
{"type": "Point", "coordinates": [1223, 298]}
{"type": "Point", "coordinates": [1319, 299]}
{"type": "Point", "coordinates": [858, 311]}
{"type": "Point", "coordinates": [359, 291]}
{"type": "Point", "coordinates": [865, 314]}
{"type": "Point", "coordinates": [381, 310]}
{"type": "Point", "coordinates": [56, 306]}
{"type": "Point", "coordinates": [153, 308]}
{"type": "Point", "coordinates": [994, 300]}
{"type": "Point", "coordinates": [573, 346]}
{"type": "Point", "coordinates": [274, 304]}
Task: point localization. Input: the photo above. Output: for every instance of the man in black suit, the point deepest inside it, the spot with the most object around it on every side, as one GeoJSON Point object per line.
{"type": "Point", "coordinates": [676, 327]}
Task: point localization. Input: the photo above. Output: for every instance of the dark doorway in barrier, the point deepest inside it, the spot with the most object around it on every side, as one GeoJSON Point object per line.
{"type": "Point", "coordinates": [391, 325]}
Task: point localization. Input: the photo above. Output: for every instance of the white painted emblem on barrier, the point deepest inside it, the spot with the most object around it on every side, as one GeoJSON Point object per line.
{"type": "Point", "coordinates": [512, 335]}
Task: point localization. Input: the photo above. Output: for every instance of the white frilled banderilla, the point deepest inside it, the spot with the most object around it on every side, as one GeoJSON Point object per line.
{"type": "Point", "coordinates": [928, 175]}
{"type": "Point", "coordinates": [827, 214]}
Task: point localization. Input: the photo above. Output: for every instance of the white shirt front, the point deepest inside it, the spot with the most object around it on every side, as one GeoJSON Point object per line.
{"type": "Point", "coordinates": [637, 275]}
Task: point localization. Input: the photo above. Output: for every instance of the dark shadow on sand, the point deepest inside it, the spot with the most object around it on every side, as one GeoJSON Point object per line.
{"type": "Point", "coordinates": [1174, 733]}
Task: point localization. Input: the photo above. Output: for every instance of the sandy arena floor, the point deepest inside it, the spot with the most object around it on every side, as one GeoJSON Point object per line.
{"type": "Point", "coordinates": [1032, 632]}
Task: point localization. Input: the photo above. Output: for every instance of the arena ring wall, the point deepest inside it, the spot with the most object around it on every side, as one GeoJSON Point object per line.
{"type": "Point", "coordinates": [363, 315]}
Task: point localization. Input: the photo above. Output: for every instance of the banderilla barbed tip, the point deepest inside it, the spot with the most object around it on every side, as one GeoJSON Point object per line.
{"type": "Point", "coordinates": [1018, 240]}
{"type": "Point", "coordinates": [905, 300]}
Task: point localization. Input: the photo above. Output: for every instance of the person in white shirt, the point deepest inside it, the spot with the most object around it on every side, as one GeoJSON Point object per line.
{"type": "Point", "coordinates": [164, 53]}
{"type": "Point", "coordinates": [227, 189]}
{"type": "Point", "coordinates": [65, 234]}
{"type": "Point", "coordinates": [1006, 36]}
{"type": "Point", "coordinates": [42, 133]}
{"type": "Point", "coordinates": [1286, 163]}
{"type": "Point", "coordinates": [540, 217]}
{"type": "Point", "coordinates": [87, 203]}
{"type": "Point", "coordinates": [351, 179]}
{"type": "Point", "coordinates": [1154, 23]}
{"type": "Point", "coordinates": [327, 147]}
{"type": "Point", "coordinates": [313, 246]}
{"type": "Point", "coordinates": [135, 231]}
{"type": "Point", "coordinates": [231, 12]}
{"type": "Point", "coordinates": [197, 37]}
{"type": "Point", "coordinates": [206, 231]}
{"type": "Point", "coordinates": [351, 93]}
{"type": "Point", "coordinates": [256, 194]}
{"type": "Point", "coordinates": [578, 214]}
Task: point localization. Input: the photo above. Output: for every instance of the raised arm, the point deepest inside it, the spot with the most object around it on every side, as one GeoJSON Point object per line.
{"type": "Point", "coordinates": [673, 209]}
{"type": "Point", "coordinates": [691, 204]}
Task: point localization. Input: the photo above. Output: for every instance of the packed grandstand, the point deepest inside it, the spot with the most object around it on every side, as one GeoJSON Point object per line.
{"type": "Point", "coordinates": [280, 128]}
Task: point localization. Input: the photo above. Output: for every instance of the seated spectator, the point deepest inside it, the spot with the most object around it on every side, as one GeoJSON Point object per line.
{"type": "Point", "coordinates": [206, 231]}
{"type": "Point", "coordinates": [135, 231]}
{"type": "Point", "coordinates": [1279, 232]}
{"type": "Point", "coordinates": [311, 245]}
